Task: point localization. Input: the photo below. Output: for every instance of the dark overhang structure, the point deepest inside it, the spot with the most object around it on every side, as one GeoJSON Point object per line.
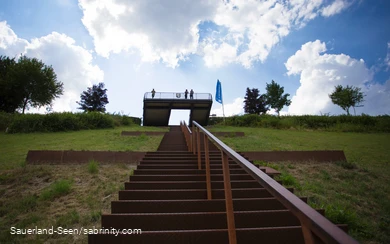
{"type": "Point", "coordinates": [157, 107]}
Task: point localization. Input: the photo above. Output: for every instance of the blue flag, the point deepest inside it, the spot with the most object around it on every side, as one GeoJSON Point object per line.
{"type": "Point", "coordinates": [218, 94]}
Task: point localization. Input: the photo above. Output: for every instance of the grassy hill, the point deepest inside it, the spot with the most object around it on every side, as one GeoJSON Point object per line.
{"type": "Point", "coordinates": [73, 196]}
{"type": "Point", "coordinates": [356, 193]}
{"type": "Point", "coordinates": [68, 196]}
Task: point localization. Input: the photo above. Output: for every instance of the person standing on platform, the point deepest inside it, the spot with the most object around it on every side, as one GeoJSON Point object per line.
{"type": "Point", "coordinates": [192, 94]}
{"type": "Point", "coordinates": [153, 93]}
{"type": "Point", "coordinates": [186, 94]}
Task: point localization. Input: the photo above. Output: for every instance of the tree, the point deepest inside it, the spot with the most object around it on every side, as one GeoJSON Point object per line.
{"type": "Point", "coordinates": [29, 83]}
{"type": "Point", "coordinates": [254, 103]}
{"type": "Point", "coordinates": [9, 101]}
{"type": "Point", "coordinates": [94, 99]}
{"type": "Point", "coordinates": [275, 97]}
{"type": "Point", "coordinates": [347, 97]}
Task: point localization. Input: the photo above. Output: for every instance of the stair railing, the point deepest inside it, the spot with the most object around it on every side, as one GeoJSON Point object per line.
{"type": "Point", "coordinates": [187, 134]}
{"type": "Point", "coordinates": [315, 227]}
{"type": "Point", "coordinates": [190, 136]}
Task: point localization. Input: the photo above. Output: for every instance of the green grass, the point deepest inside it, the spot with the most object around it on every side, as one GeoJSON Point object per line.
{"type": "Point", "coordinates": [57, 189]}
{"type": "Point", "coordinates": [14, 147]}
{"type": "Point", "coordinates": [354, 192]}
{"type": "Point", "coordinates": [93, 167]}
{"type": "Point", "coordinates": [70, 196]}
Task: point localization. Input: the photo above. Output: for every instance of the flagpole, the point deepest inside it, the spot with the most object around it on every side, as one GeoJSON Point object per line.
{"type": "Point", "coordinates": [223, 111]}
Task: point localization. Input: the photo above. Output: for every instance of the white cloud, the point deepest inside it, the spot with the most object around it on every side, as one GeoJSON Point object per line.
{"type": "Point", "coordinates": [320, 72]}
{"type": "Point", "coordinates": [10, 44]}
{"type": "Point", "coordinates": [72, 63]}
{"type": "Point", "coordinates": [234, 108]}
{"type": "Point", "coordinates": [166, 31]}
{"type": "Point", "coordinates": [387, 59]}
{"type": "Point", "coordinates": [169, 31]}
{"type": "Point", "coordinates": [335, 8]}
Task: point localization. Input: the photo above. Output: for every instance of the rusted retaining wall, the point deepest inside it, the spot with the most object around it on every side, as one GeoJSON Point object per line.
{"type": "Point", "coordinates": [65, 157]}
{"type": "Point", "coordinates": [138, 133]}
{"type": "Point", "coordinates": [319, 156]}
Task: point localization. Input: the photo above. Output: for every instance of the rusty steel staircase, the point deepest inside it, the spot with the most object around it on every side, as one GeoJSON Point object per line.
{"type": "Point", "coordinates": [177, 195]}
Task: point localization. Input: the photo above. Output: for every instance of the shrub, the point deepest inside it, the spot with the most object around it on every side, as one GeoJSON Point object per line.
{"type": "Point", "coordinates": [93, 167]}
{"type": "Point", "coordinates": [346, 164]}
{"type": "Point", "coordinates": [342, 123]}
{"type": "Point", "coordinates": [5, 120]}
{"type": "Point", "coordinates": [53, 122]}
{"type": "Point", "coordinates": [56, 189]}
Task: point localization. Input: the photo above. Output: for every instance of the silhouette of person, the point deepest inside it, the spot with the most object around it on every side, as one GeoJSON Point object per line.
{"type": "Point", "coordinates": [192, 94]}
{"type": "Point", "coordinates": [186, 94]}
{"type": "Point", "coordinates": [153, 93]}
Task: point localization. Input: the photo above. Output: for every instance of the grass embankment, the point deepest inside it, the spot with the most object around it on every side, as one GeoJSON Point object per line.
{"type": "Point", "coordinates": [68, 196]}
{"type": "Point", "coordinates": [14, 147]}
{"type": "Point", "coordinates": [356, 193]}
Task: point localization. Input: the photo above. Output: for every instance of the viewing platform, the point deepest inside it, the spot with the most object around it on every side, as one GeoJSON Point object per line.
{"type": "Point", "coordinates": [157, 108]}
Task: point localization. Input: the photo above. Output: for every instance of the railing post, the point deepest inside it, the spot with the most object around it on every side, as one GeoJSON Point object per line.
{"type": "Point", "coordinates": [207, 160]}
{"type": "Point", "coordinates": [228, 199]}
{"type": "Point", "coordinates": [190, 142]}
{"type": "Point", "coordinates": [198, 150]}
{"type": "Point", "coordinates": [193, 139]}
{"type": "Point", "coordinates": [308, 236]}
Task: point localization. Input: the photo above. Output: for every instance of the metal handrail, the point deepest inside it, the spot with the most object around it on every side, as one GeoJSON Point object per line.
{"type": "Point", "coordinates": [177, 95]}
{"type": "Point", "coordinates": [314, 225]}
{"type": "Point", "coordinates": [187, 135]}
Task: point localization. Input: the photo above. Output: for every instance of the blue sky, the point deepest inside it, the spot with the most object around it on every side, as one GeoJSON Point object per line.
{"type": "Point", "coordinates": [306, 46]}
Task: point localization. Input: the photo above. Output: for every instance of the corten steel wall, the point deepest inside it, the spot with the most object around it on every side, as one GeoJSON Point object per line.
{"type": "Point", "coordinates": [138, 133]}
{"type": "Point", "coordinates": [318, 156]}
{"type": "Point", "coordinates": [65, 157]}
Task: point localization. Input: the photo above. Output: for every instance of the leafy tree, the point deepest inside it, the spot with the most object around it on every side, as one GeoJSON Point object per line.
{"type": "Point", "coordinates": [8, 101]}
{"type": "Point", "coordinates": [94, 99]}
{"type": "Point", "coordinates": [29, 83]}
{"type": "Point", "coordinates": [275, 97]}
{"type": "Point", "coordinates": [347, 97]}
{"type": "Point", "coordinates": [254, 103]}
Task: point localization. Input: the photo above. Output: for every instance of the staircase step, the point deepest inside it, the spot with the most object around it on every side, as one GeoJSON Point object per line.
{"type": "Point", "coordinates": [153, 185]}
{"type": "Point", "coordinates": [195, 205]}
{"type": "Point", "coordinates": [183, 171]}
{"type": "Point", "coordinates": [192, 194]}
{"type": "Point", "coordinates": [187, 177]}
{"type": "Point", "coordinates": [200, 220]}
{"type": "Point", "coordinates": [183, 166]}
{"type": "Point", "coordinates": [180, 161]}
{"type": "Point", "coordinates": [269, 235]}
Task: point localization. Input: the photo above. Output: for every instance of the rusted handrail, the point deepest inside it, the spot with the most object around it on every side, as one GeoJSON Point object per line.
{"type": "Point", "coordinates": [314, 225]}
{"type": "Point", "coordinates": [187, 134]}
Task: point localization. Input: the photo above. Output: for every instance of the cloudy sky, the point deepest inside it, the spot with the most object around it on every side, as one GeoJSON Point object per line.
{"type": "Point", "coordinates": [307, 46]}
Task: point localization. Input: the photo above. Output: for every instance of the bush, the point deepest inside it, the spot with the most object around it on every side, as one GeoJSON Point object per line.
{"type": "Point", "coordinates": [57, 189]}
{"type": "Point", "coordinates": [93, 167]}
{"type": "Point", "coordinates": [342, 123]}
{"type": "Point", "coordinates": [5, 120]}
{"type": "Point", "coordinates": [215, 120]}
{"type": "Point", "coordinates": [25, 123]}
